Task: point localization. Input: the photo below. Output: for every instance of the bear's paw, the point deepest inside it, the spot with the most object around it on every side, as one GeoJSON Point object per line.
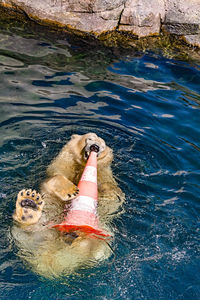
{"type": "Point", "coordinates": [29, 207]}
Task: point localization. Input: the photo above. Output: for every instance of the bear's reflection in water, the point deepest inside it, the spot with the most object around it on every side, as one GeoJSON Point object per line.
{"type": "Point", "coordinates": [49, 252]}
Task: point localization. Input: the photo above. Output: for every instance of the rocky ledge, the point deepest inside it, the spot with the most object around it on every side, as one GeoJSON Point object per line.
{"type": "Point", "coordinates": [139, 18]}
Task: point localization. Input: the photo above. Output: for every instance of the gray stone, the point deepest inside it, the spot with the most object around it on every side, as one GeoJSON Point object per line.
{"type": "Point", "coordinates": [142, 17]}
{"type": "Point", "coordinates": [193, 40]}
{"type": "Point", "coordinates": [93, 16]}
{"type": "Point", "coordinates": [182, 17]}
{"type": "Point", "coordinates": [182, 11]}
{"type": "Point", "coordinates": [182, 28]}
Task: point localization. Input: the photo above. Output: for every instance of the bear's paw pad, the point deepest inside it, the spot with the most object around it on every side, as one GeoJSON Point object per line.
{"type": "Point", "coordinates": [29, 207]}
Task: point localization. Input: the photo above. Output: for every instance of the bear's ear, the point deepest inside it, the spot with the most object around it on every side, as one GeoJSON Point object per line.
{"type": "Point", "coordinates": [74, 136]}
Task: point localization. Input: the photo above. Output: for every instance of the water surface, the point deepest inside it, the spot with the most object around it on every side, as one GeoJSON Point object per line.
{"type": "Point", "coordinates": [147, 108]}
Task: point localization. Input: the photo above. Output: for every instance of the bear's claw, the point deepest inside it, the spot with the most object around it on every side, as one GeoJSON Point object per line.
{"type": "Point", "coordinates": [30, 198]}
{"type": "Point", "coordinates": [72, 193]}
{"type": "Point", "coordinates": [62, 187]}
{"type": "Point", "coordinates": [29, 207]}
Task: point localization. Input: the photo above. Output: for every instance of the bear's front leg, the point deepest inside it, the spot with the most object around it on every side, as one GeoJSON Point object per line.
{"type": "Point", "coordinates": [29, 207]}
{"type": "Point", "coordinates": [61, 187]}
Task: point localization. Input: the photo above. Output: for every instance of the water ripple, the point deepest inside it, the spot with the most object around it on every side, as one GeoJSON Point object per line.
{"type": "Point", "coordinates": [147, 110]}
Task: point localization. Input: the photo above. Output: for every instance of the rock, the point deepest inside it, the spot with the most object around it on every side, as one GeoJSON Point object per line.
{"type": "Point", "coordinates": [142, 17]}
{"type": "Point", "coordinates": [193, 40]}
{"type": "Point", "coordinates": [182, 17]}
{"type": "Point", "coordinates": [92, 16]}
{"type": "Point", "coordinates": [183, 11]}
{"type": "Point", "coordinates": [181, 28]}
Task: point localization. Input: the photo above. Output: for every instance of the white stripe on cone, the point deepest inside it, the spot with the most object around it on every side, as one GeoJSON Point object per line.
{"type": "Point", "coordinates": [84, 203]}
{"type": "Point", "coordinates": [89, 174]}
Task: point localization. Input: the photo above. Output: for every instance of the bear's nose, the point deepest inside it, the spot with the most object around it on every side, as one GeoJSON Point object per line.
{"type": "Point", "coordinates": [94, 148]}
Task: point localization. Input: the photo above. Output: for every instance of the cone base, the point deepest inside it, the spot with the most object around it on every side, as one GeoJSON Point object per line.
{"type": "Point", "coordinates": [83, 228]}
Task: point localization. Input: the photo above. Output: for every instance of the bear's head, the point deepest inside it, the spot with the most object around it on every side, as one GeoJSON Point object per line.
{"type": "Point", "coordinates": [82, 145]}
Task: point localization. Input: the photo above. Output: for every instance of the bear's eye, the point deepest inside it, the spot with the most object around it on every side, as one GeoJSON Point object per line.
{"type": "Point", "coordinates": [89, 139]}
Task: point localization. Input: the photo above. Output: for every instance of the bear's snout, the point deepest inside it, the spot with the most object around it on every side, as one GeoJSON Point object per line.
{"type": "Point", "coordinates": [28, 203]}
{"type": "Point", "coordinates": [94, 148]}
{"type": "Point", "coordinates": [93, 143]}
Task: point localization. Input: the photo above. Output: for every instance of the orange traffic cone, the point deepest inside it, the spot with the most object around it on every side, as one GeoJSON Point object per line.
{"type": "Point", "coordinates": [83, 213]}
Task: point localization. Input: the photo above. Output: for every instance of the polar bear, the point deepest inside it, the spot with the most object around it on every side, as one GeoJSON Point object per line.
{"type": "Point", "coordinates": [49, 252]}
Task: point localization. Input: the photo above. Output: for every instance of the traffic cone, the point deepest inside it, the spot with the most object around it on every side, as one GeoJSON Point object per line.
{"type": "Point", "coordinates": [82, 215]}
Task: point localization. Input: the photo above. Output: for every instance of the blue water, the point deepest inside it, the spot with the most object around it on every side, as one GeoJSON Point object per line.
{"type": "Point", "coordinates": [147, 108]}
